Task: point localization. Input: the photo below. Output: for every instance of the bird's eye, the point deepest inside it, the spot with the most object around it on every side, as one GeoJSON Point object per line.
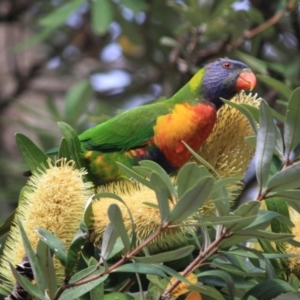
{"type": "Point", "coordinates": [227, 65]}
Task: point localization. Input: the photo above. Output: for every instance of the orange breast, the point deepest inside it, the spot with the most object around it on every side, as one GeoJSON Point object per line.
{"type": "Point", "coordinates": [191, 124]}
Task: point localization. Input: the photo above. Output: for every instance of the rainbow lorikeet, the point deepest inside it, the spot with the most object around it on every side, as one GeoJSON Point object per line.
{"type": "Point", "coordinates": [156, 131]}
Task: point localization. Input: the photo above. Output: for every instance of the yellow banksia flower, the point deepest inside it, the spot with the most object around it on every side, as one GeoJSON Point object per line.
{"type": "Point", "coordinates": [146, 218]}
{"type": "Point", "coordinates": [294, 262]}
{"type": "Point", "coordinates": [53, 199]}
{"type": "Point", "coordinates": [226, 149]}
{"type": "Point", "coordinates": [182, 287]}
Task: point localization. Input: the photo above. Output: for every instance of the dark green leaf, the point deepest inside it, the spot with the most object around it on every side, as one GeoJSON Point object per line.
{"type": "Point", "coordinates": [117, 296]}
{"type": "Point", "coordinates": [191, 201]}
{"type": "Point", "coordinates": [264, 234]}
{"type": "Point", "coordinates": [102, 15]}
{"type": "Point", "coordinates": [294, 281]}
{"type": "Point", "coordinates": [166, 256]}
{"type": "Point", "coordinates": [35, 266]}
{"type": "Point", "coordinates": [51, 276]}
{"type": "Point", "coordinates": [33, 156]}
{"type": "Point", "coordinates": [63, 151]}
{"type": "Point", "coordinates": [163, 196]}
{"type": "Point", "coordinates": [54, 243]}
{"type": "Point", "coordinates": [115, 217]}
{"type": "Point", "coordinates": [269, 289]}
{"type": "Point", "coordinates": [5, 226]}
{"type": "Point", "coordinates": [254, 63]}
{"type": "Point", "coordinates": [74, 252]}
{"type": "Point", "coordinates": [135, 5]}
{"type": "Point", "coordinates": [141, 268]}
{"type": "Point", "coordinates": [98, 291]}
{"type": "Point", "coordinates": [266, 136]}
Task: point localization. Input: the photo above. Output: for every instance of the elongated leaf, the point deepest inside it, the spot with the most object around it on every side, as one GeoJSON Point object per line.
{"type": "Point", "coordinates": [5, 226]}
{"type": "Point", "coordinates": [54, 243]}
{"type": "Point", "coordinates": [60, 15]}
{"type": "Point", "coordinates": [286, 179]}
{"type": "Point", "coordinates": [166, 256]}
{"type": "Point", "coordinates": [284, 91]}
{"type": "Point", "coordinates": [141, 268]}
{"type": "Point", "coordinates": [102, 15]}
{"type": "Point", "coordinates": [109, 239]}
{"type": "Point", "coordinates": [188, 175]}
{"type": "Point", "coordinates": [51, 276]}
{"type": "Point", "coordinates": [289, 296]}
{"type": "Point", "coordinates": [224, 276]}
{"type": "Point", "coordinates": [115, 217]}
{"type": "Point", "coordinates": [26, 284]}
{"type": "Point", "coordinates": [245, 112]}
{"type": "Point", "coordinates": [221, 183]}
{"type": "Point", "coordinates": [269, 289]}
{"type": "Point", "coordinates": [254, 63]}
{"type": "Point", "coordinates": [73, 143]}
{"type": "Point", "coordinates": [74, 251]}
{"type": "Point", "coordinates": [266, 136]}
{"type": "Point", "coordinates": [98, 291]}
{"type": "Point", "coordinates": [163, 196]}
{"type": "Point", "coordinates": [63, 151]}
{"type": "Point", "coordinates": [161, 172]}
{"type": "Point", "coordinates": [77, 99]}
{"type": "Point", "coordinates": [36, 269]}
{"type": "Point", "coordinates": [249, 212]}
{"type": "Point", "coordinates": [212, 292]}
{"type": "Point", "coordinates": [33, 156]}
{"type": "Point", "coordinates": [117, 296]}
{"type": "Point", "coordinates": [265, 235]}
{"type": "Point", "coordinates": [292, 121]}
{"type": "Point", "coordinates": [192, 200]}
{"type": "Point", "coordinates": [77, 291]}
{"type": "Point", "coordinates": [134, 175]}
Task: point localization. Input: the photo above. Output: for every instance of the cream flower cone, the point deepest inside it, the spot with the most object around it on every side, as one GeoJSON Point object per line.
{"type": "Point", "coordinates": [53, 199]}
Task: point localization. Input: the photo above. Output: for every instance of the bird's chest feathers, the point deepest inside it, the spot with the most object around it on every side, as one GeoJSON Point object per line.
{"type": "Point", "coordinates": [191, 124]}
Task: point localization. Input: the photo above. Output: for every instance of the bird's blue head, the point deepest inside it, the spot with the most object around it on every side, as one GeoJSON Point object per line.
{"type": "Point", "coordinates": [224, 78]}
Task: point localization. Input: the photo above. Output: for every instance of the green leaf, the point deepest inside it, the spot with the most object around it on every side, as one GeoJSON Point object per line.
{"type": "Point", "coordinates": [224, 276]}
{"type": "Point", "coordinates": [77, 291]}
{"type": "Point", "coordinates": [26, 284]}
{"type": "Point", "coordinates": [134, 175]}
{"type": "Point", "coordinates": [108, 242]}
{"type": "Point", "coordinates": [63, 151]}
{"type": "Point", "coordinates": [141, 268]}
{"type": "Point", "coordinates": [166, 256]}
{"type": "Point", "coordinates": [245, 111]}
{"type": "Point", "coordinates": [45, 261]}
{"type": "Point", "coordinates": [248, 211]}
{"type": "Point", "coordinates": [33, 156]}
{"type": "Point", "coordinates": [59, 16]}
{"type": "Point", "coordinates": [294, 281]}
{"type": "Point", "coordinates": [265, 235]}
{"type": "Point", "coordinates": [188, 175]}
{"type": "Point", "coordinates": [74, 252]}
{"type": "Point", "coordinates": [135, 5]}
{"type": "Point", "coordinates": [254, 63]}
{"type": "Point", "coordinates": [286, 179]}
{"type": "Point", "coordinates": [221, 183]}
{"type": "Point", "coordinates": [54, 243]}
{"type": "Point", "coordinates": [289, 296]}
{"type": "Point", "coordinates": [35, 266]}
{"type": "Point", "coordinates": [98, 291]}
{"type": "Point", "coordinates": [161, 172]}
{"type": "Point", "coordinates": [73, 143]}
{"type": "Point", "coordinates": [266, 136]}
{"type": "Point", "coordinates": [102, 15]}
{"type": "Point", "coordinates": [212, 292]}
{"type": "Point", "coordinates": [280, 87]}
{"type": "Point", "coordinates": [115, 217]}
{"type": "Point", "coordinates": [192, 200]}
{"type": "Point", "coordinates": [269, 289]}
{"type": "Point", "coordinates": [117, 296]}
{"type": "Point", "coordinates": [163, 196]}
{"type": "Point", "coordinates": [88, 212]}
{"type": "Point", "coordinates": [77, 99]}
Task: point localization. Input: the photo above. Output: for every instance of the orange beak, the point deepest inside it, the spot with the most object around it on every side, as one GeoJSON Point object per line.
{"type": "Point", "coordinates": [246, 81]}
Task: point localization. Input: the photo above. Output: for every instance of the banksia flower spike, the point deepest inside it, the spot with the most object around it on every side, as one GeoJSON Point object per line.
{"type": "Point", "coordinates": [226, 149]}
{"type": "Point", "coordinates": [53, 199]}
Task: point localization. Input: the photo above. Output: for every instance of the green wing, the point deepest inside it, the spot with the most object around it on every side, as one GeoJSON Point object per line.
{"type": "Point", "coordinates": [128, 130]}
